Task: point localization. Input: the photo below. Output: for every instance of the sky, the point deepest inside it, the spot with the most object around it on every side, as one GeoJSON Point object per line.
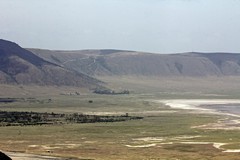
{"type": "Point", "coordinates": [158, 26]}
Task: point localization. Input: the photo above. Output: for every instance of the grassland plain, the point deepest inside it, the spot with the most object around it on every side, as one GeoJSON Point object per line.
{"type": "Point", "coordinates": [163, 134]}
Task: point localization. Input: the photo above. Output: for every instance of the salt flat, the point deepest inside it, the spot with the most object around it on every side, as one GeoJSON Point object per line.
{"type": "Point", "coordinates": [195, 104]}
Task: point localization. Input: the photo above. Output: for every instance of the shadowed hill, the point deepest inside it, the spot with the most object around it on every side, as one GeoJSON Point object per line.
{"type": "Point", "coordinates": [8, 49]}
{"type": "Point", "coordinates": [4, 156]}
{"type": "Point", "coordinates": [20, 66]}
{"type": "Point", "coordinates": [227, 63]}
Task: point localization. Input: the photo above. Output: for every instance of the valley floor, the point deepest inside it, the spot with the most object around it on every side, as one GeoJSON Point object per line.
{"type": "Point", "coordinates": [171, 129]}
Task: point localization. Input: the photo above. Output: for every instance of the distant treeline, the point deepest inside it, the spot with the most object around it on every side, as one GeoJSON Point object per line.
{"type": "Point", "coordinates": [35, 118]}
{"type": "Point", "coordinates": [8, 100]}
{"type": "Point", "coordinates": [110, 92]}
{"type": "Point", "coordinates": [30, 100]}
{"type": "Point", "coordinates": [81, 118]}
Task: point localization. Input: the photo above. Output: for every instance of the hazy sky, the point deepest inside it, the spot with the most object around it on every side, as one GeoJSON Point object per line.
{"type": "Point", "coordinates": [163, 26]}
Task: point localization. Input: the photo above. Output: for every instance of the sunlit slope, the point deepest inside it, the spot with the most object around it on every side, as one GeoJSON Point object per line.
{"type": "Point", "coordinates": [129, 63]}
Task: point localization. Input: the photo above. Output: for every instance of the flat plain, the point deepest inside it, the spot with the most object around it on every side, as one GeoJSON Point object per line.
{"type": "Point", "coordinates": [165, 132]}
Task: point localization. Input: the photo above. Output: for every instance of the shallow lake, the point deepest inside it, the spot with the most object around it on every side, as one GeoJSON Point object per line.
{"type": "Point", "coordinates": [225, 108]}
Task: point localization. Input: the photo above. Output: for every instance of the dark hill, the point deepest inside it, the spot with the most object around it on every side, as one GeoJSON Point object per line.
{"type": "Point", "coordinates": [8, 49]}
{"type": "Point", "coordinates": [20, 66]}
{"type": "Point", "coordinates": [4, 156]}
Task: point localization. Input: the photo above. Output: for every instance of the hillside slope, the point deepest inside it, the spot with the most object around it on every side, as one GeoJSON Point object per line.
{"type": "Point", "coordinates": [20, 66]}
{"type": "Point", "coordinates": [128, 63]}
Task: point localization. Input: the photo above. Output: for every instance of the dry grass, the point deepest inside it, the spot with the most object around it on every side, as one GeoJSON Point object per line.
{"type": "Point", "coordinates": [160, 135]}
{"type": "Point", "coordinates": [170, 87]}
{"type": "Point", "coordinates": [164, 133]}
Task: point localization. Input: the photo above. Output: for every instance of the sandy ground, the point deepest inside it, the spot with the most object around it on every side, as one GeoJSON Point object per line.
{"type": "Point", "coordinates": [160, 141]}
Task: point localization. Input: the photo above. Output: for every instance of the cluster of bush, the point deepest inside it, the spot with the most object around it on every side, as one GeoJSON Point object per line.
{"type": "Point", "coordinates": [81, 118]}
{"type": "Point", "coordinates": [29, 118]}
{"type": "Point", "coordinates": [35, 118]}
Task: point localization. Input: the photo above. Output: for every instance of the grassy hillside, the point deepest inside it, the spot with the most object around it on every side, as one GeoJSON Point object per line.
{"type": "Point", "coordinates": [128, 63]}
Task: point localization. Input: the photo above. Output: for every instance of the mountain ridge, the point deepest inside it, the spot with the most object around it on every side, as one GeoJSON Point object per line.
{"type": "Point", "coordinates": [77, 67]}
{"type": "Point", "coordinates": [121, 63]}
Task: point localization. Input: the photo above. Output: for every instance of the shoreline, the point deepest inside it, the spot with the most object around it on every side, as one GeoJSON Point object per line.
{"type": "Point", "coordinates": [230, 120]}
{"type": "Point", "coordinates": [207, 106]}
{"type": "Point", "coordinates": [198, 105]}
